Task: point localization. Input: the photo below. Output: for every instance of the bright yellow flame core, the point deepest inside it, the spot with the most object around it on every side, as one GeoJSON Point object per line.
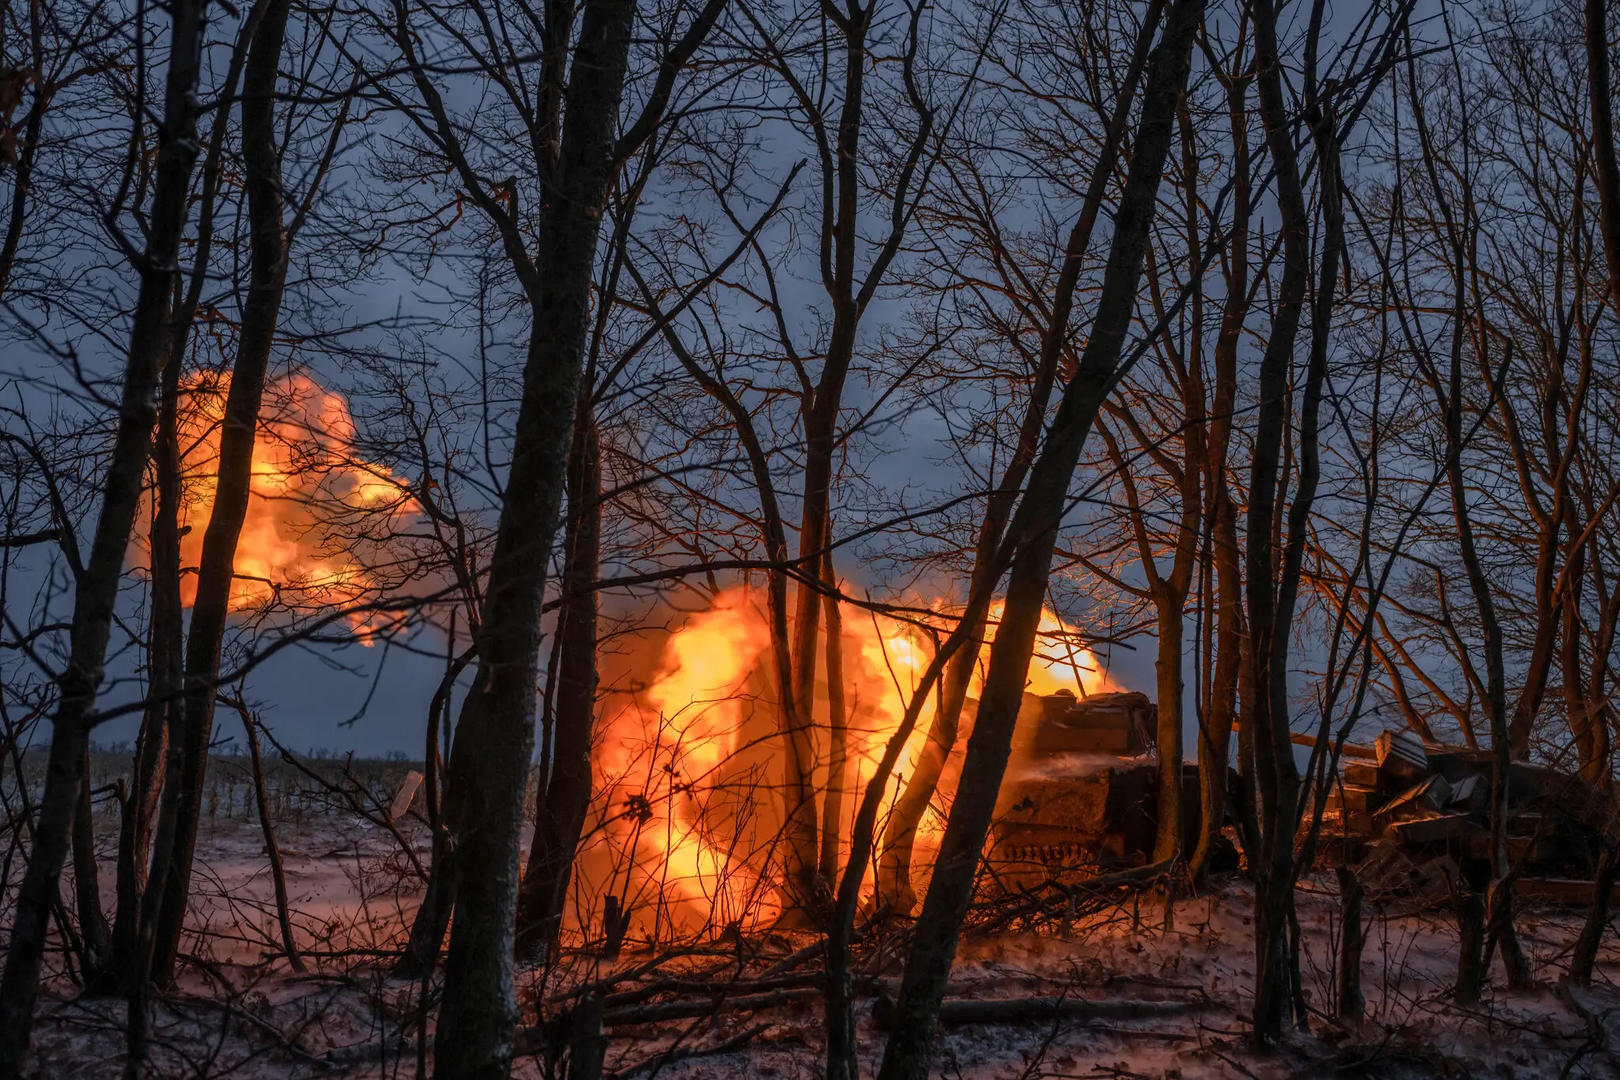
{"type": "Point", "coordinates": [690, 769]}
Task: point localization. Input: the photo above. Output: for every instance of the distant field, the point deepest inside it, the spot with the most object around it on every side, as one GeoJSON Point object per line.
{"type": "Point", "coordinates": [319, 784]}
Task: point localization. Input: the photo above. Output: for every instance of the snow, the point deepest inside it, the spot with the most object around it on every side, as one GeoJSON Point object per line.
{"type": "Point", "coordinates": [241, 1011]}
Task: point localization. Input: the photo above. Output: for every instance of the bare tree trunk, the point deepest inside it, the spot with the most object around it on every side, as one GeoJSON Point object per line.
{"type": "Point", "coordinates": [820, 434]}
{"type": "Point", "coordinates": [1170, 591]}
{"type": "Point", "coordinates": [489, 762]}
{"type": "Point", "coordinates": [165, 636]}
{"type": "Point", "coordinates": [166, 647]}
{"type": "Point", "coordinates": [1215, 731]}
{"type": "Point", "coordinates": [832, 816]}
{"type": "Point", "coordinates": [182, 801]}
{"type": "Point", "coordinates": [1496, 914]}
{"type": "Point", "coordinates": [1603, 151]}
{"type": "Point", "coordinates": [1032, 536]}
{"type": "Point", "coordinates": [94, 934]}
{"type": "Point", "coordinates": [433, 914]}
{"type": "Point", "coordinates": [900, 834]}
{"type": "Point", "coordinates": [1584, 957]}
{"type": "Point", "coordinates": [96, 587]}
{"type": "Point", "coordinates": [33, 126]}
{"type": "Point", "coordinates": [1270, 595]}
{"type": "Point", "coordinates": [1470, 946]}
{"type": "Point", "coordinates": [1600, 769]}
{"type": "Point", "coordinates": [272, 851]}
{"type": "Point", "coordinates": [1171, 622]}
{"type": "Point", "coordinates": [131, 943]}
{"type": "Point", "coordinates": [566, 794]}
{"type": "Point", "coordinates": [899, 837]}
{"type": "Point", "coordinates": [1352, 935]}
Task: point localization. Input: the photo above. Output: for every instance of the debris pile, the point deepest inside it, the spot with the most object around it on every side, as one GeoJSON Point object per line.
{"type": "Point", "coordinates": [1414, 819]}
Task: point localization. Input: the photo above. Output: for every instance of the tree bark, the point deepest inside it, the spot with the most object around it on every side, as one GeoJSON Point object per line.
{"type": "Point", "coordinates": [489, 762]}
{"type": "Point", "coordinates": [165, 636]}
{"type": "Point", "coordinates": [272, 850]}
{"type": "Point", "coordinates": [94, 933]}
{"type": "Point", "coordinates": [1171, 620]}
{"type": "Point", "coordinates": [433, 914]}
{"type": "Point", "coordinates": [1352, 935]}
{"type": "Point", "coordinates": [166, 632]}
{"type": "Point", "coordinates": [1600, 769]}
{"type": "Point", "coordinates": [1584, 957]}
{"type": "Point", "coordinates": [1033, 535]}
{"type": "Point", "coordinates": [22, 178]}
{"type": "Point", "coordinates": [1270, 595]}
{"type": "Point", "coordinates": [1215, 730]}
{"type": "Point", "coordinates": [96, 588]}
{"type": "Point", "coordinates": [566, 794]}
{"type": "Point", "coordinates": [899, 837]}
{"type": "Point", "coordinates": [832, 815]}
{"type": "Point", "coordinates": [820, 440]}
{"type": "Point", "coordinates": [261, 311]}
{"type": "Point", "coordinates": [1470, 946]}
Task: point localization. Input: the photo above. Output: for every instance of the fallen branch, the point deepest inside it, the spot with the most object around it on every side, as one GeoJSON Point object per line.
{"type": "Point", "coordinates": [1036, 1010]}
{"type": "Point", "coordinates": [687, 1010]}
{"type": "Point", "coordinates": [710, 988]}
{"type": "Point", "coordinates": [1059, 900]}
{"type": "Point", "coordinates": [671, 1057]}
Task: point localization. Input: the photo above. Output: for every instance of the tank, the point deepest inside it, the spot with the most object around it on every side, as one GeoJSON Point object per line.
{"type": "Point", "coordinates": [1081, 791]}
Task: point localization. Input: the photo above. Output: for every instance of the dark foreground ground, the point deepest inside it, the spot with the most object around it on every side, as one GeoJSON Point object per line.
{"type": "Point", "coordinates": [1163, 1001]}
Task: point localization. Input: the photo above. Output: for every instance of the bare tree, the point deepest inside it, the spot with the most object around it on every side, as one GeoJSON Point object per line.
{"type": "Point", "coordinates": [894, 874]}
{"type": "Point", "coordinates": [188, 744]}
{"type": "Point", "coordinates": [98, 581]}
{"type": "Point", "coordinates": [1031, 536]}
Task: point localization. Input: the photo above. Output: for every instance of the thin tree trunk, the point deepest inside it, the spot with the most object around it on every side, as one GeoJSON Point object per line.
{"type": "Point", "coordinates": [1608, 185]}
{"type": "Point", "coordinates": [433, 914]}
{"type": "Point", "coordinates": [166, 648]}
{"type": "Point", "coordinates": [820, 441]}
{"type": "Point", "coordinates": [134, 844]}
{"type": "Point", "coordinates": [832, 816]}
{"type": "Point", "coordinates": [261, 311]}
{"type": "Point", "coordinates": [1497, 912]}
{"type": "Point", "coordinates": [899, 837]}
{"type": "Point", "coordinates": [565, 797]}
{"type": "Point", "coordinates": [1470, 946]}
{"type": "Point", "coordinates": [900, 834]}
{"type": "Point", "coordinates": [1600, 771]}
{"type": "Point", "coordinates": [96, 587]}
{"type": "Point", "coordinates": [1215, 732]}
{"type": "Point", "coordinates": [94, 933]}
{"type": "Point", "coordinates": [165, 635]}
{"type": "Point", "coordinates": [272, 851]}
{"type": "Point", "coordinates": [1270, 595]}
{"type": "Point", "coordinates": [1608, 167]}
{"type": "Point", "coordinates": [1171, 622]}
{"type": "Point", "coordinates": [33, 126]}
{"type": "Point", "coordinates": [489, 762]}
{"type": "Point", "coordinates": [1033, 536]}
{"type": "Point", "coordinates": [1584, 957]}
{"type": "Point", "coordinates": [1352, 935]}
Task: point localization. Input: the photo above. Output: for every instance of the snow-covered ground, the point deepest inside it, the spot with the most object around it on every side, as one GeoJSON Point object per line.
{"type": "Point", "coordinates": [1172, 997]}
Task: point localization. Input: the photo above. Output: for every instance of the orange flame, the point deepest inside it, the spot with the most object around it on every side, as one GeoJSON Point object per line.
{"type": "Point", "coordinates": [688, 769]}
{"type": "Point", "coordinates": [305, 534]}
